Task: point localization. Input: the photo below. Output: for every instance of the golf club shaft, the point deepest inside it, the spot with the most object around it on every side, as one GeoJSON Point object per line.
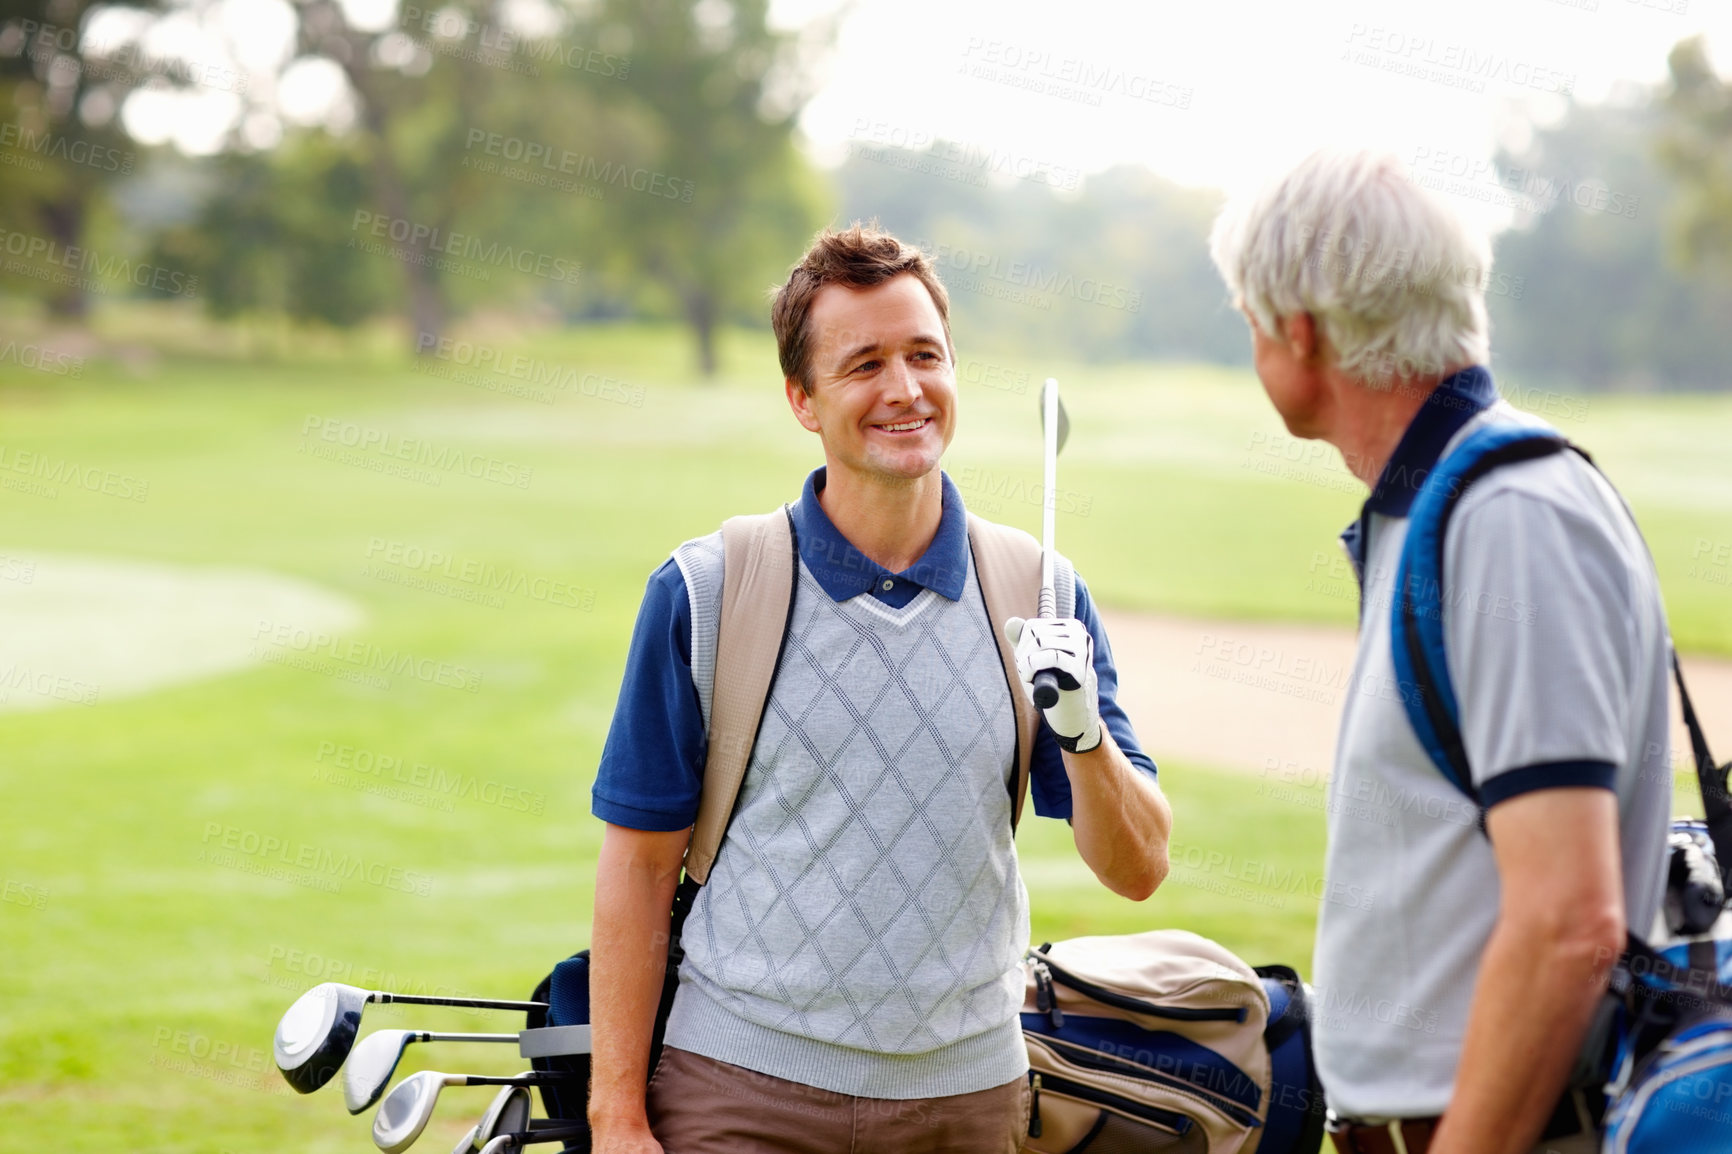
{"type": "Point", "coordinates": [423, 1036]}
{"type": "Point", "coordinates": [1046, 681]}
{"type": "Point", "coordinates": [382, 998]}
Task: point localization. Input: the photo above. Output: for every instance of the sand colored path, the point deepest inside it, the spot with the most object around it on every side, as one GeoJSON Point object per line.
{"type": "Point", "coordinates": [1257, 697]}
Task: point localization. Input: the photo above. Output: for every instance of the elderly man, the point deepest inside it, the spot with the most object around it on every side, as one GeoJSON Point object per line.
{"type": "Point", "coordinates": [851, 977]}
{"type": "Point", "coordinates": [1451, 1015]}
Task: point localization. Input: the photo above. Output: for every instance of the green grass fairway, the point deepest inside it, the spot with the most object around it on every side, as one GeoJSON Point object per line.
{"type": "Point", "coordinates": [178, 865]}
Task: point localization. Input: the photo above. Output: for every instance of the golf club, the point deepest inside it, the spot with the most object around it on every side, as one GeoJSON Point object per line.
{"type": "Point", "coordinates": [375, 1059]}
{"type": "Point", "coordinates": [1055, 430]}
{"type": "Point", "coordinates": [466, 1144]}
{"type": "Point", "coordinates": [319, 1029]}
{"type": "Point", "coordinates": [503, 1142]}
{"type": "Point", "coordinates": [405, 1111]}
{"type": "Point", "coordinates": [509, 1112]}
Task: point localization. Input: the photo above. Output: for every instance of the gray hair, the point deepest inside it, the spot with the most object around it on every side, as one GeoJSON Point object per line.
{"type": "Point", "coordinates": [1394, 278]}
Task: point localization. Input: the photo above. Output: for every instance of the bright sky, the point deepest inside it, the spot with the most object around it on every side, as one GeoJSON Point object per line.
{"type": "Point", "coordinates": [1222, 92]}
{"type": "Point", "coordinates": [1213, 92]}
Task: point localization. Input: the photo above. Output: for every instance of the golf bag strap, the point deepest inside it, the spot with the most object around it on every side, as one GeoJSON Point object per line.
{"type": "Point", "coordinates": [1007, 566]}
{"type": "Point", "coordinates": [1711, 780]}
{"type": "Point", "coordinates": [761, 562]}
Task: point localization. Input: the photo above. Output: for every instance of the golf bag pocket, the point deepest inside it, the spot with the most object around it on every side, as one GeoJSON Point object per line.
{"type": "Point", "coordinates": [1165, 1041]}
{"type": "Point", "coordinates": [1679, 1100]}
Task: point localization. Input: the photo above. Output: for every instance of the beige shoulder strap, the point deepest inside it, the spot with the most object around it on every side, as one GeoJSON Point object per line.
{"type": "Point", "coordinates": [757, 589]}
{"type": "Point", "coordinates": [1007, 565]}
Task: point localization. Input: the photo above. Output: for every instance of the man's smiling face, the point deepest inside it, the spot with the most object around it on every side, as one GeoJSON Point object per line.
{"type": "Point", "coordinates": [883, 396]}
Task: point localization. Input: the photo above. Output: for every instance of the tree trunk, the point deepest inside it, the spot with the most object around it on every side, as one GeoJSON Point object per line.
{"type": "Point", "coordinates": [64, 219]}
{"type": "Point", "coordinates": [701, 315]}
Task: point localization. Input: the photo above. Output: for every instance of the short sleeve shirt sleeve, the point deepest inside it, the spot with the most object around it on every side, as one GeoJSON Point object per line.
{"type": "Point", "coordinates": [1049, 785]}
{"type": "Point", "coordinates": [651, 772]}
{"type": "Point", "coordinates": [1540, 651]}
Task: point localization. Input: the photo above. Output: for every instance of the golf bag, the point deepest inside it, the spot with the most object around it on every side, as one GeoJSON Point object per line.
{"type": "Point", "coordinates": [1666, 1061]}
{"type": "Point", "coordinates": [1166, 1041]}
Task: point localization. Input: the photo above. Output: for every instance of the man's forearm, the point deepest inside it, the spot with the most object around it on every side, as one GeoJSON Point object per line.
{"type": "Point", "coordinates": [628, 962]}
{"type": "Point", "coordinates": [1119, 818]}
{"type": "Point", "coordinates": [1536, 994]}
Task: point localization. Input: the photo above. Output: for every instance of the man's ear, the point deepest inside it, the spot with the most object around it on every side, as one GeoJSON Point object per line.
{"type": "Point", "coordinates": [1302, 339]}
{"type": "Point", "coordinates": [801, 402]}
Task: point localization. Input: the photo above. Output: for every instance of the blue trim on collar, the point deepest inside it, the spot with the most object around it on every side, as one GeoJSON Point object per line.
{"type": "Point", "coordinates": [1455, 402]}
{"type": "Point", "coordinates": [843, 571]}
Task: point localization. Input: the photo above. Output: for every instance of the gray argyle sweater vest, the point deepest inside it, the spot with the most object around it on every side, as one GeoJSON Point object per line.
{"type": "Point", "coordinates": [863, 923]}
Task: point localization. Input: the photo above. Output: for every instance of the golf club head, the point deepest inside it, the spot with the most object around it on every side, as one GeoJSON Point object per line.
{"type": "Point", "coordinates": [370, 1066]}
{"type": "Point", "coordinates": [317, 1033]}
{"type": "Point", "coordinates": [508, 1113]}
{"type": "Point", "coordinates": [405, 1111]}
{"type": "Point", "coordinates": [467, 1143]}
{"type": "Point", "coordinates": [1063, 417]}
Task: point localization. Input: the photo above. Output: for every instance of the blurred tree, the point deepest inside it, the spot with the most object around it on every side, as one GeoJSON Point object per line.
{"type": "Point", "coordinates": [1584, 294]}
{"type": "Point", "coordinates": [715, 92]}
{"type": "Point", "coordinates": [1696, 147]}
{"type": "Point", "coordinates": [1112, 268]}
{"type": "Point", "coordinates": [61, 141]}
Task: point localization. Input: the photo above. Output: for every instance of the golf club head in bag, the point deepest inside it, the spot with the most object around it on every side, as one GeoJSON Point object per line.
{"type": "Point", "coordinates": [374, 1059]}
{"type": "Point", "coordinates": [316, 1034]}
{"type": "Point", "coordinates": [408, 1108]}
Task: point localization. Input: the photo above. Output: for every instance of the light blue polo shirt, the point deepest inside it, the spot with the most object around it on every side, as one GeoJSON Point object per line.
{"type": "Point", "coordinates": [651, 772]}
{"type": "Point", "coordinates": [1557, 645]}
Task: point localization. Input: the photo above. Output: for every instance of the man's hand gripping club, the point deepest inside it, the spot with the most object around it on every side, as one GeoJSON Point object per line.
{"type": "Point", "coordinates": [1063, 645]}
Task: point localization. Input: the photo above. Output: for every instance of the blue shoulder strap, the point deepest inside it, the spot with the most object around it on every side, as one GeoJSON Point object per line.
{"type": "Point", "coordinates": [1416, 625]}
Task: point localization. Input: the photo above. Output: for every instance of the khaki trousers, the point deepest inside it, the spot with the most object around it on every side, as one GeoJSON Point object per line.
{"type": "Point", "coordinates": [701, 1106]}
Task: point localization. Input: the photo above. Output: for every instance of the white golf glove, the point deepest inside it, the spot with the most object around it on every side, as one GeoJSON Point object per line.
{"type": "Point", "coordinates": [1063, 645]}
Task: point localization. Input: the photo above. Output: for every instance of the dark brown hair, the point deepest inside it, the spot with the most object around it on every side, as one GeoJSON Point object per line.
{"type": "Point", "coordinates": [860, 256]}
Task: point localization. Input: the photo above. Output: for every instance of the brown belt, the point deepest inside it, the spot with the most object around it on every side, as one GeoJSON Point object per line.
{"type": "Point", "coordinates": [1414, 1135]}
{"type": "Point", "coordinates": [1407, 1136]}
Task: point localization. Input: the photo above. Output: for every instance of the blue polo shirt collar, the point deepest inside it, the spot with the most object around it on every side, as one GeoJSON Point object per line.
{"type": "Point", "coordinates": [844, 571]}
{"type": "Point", "coordinates": [1455, 402]}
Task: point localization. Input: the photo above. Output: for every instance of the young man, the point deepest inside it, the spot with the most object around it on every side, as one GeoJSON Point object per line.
{"type": "Point", "coordinates": [851, 976]}
{"type": "Point", "coordinates": [1450, 1016]}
